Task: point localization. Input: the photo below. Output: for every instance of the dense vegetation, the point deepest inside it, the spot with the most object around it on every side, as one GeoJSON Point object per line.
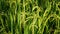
{"type": "Point", "coordinates": [29, 16]}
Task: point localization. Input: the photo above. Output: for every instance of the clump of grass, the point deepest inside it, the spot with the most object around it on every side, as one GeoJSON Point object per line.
{"type": "Point", "coordinates": [29, 17]}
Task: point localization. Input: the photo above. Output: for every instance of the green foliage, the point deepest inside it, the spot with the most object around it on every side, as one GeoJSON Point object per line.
{"type": "Point", "coordinates": [29, 16]}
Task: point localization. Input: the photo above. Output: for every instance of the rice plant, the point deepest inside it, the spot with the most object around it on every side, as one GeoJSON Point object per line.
{"type": "Point", "coordinates": [29, 16]}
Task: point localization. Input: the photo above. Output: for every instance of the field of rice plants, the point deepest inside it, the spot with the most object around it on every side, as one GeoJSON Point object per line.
{"type": "Point", "coordinates": [29, 16]}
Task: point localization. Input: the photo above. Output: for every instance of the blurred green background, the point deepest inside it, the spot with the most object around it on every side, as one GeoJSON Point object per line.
{"type": "Point", "coordinates": [29, 16]}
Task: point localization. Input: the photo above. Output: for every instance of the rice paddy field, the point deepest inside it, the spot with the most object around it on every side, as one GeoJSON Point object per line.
{"type": "Point", "coordinates": [29, 16]}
